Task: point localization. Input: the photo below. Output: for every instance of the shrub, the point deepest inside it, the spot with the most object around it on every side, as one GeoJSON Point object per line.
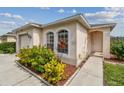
{"type": "Point", "coordinates": [10, 50]}
{"type": "Point", "coordinates": [54, 71]}
{"type": "Point", "coordinates": [39, 68]}
{"type": "Point", "coordinates": [42, 60]}
{"type": "Point", "coordinates": [117, 48]}
{"type": "Point", "coordinates": [1, 52]}
{"type": "Point", "coordinates": [8, 47]}
{"type": "Point", "coordinates": [35, 57]}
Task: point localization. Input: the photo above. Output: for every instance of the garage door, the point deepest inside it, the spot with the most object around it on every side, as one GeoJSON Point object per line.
{"type": "Point", "coordinates": [24, 41]}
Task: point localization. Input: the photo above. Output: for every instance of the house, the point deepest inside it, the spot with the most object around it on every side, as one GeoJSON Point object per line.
{"type": "Point", "coordinates": [0, 40]}
{"type": "Point", "coordinates": [8, 37]}
{"type": "Point", "coordinates": [79, 37]}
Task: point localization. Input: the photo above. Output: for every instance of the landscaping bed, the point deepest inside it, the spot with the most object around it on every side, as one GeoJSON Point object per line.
{"type": "Point", "coordinates": [115, 61]}
{"type": "Point", "coordinates": [113, 74]}
{"type": "Point", "coordinates": [44, 64]}
{"type": "Point", "coordinates": [69, 69]}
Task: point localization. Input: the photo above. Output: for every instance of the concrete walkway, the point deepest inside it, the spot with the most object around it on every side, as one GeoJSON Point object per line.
{"type": "Point", "coordinates": [91, 74]}
{"type": "Point", "coordinates": [12, 75]}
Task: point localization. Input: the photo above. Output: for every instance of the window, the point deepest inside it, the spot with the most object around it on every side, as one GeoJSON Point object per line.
{"type": "Point", "coordinates": [63, 41]}
{"type": "Point", "coordinates": [50, 40]}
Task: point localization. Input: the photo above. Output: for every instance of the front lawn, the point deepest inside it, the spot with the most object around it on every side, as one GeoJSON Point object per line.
{"type": "Point", "coordinates": [113, 74]}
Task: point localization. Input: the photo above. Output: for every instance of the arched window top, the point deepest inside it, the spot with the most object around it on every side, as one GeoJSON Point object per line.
{"type": "Point", "coordinates": [50, 33]}
{"type": "Point", "coordinates": [63, 31]}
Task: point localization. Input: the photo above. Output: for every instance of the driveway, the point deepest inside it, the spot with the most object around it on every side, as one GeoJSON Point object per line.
{"type": "Point", "coordinates": [12, 75]}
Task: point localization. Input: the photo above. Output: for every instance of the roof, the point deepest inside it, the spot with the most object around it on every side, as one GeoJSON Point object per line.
{"type": "Point", "coordinates": [8, 34]}
{"type": "Point", "coordinates": [78, 17]}
{"type": "Point", "coordinates": [27, 25]}
{"type": "Point", "coordinates": [111, 25]}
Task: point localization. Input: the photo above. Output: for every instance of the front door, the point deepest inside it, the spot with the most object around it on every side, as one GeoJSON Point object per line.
{"type": "Point", "coordinates": [97, 41]}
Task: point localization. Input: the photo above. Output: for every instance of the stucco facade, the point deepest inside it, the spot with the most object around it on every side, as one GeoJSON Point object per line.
{"type": "Point", "coordinates": [83, 39]}
{"type": "Point", "coordinates": [102, 40]}
{"type": "Point", "coordinates": [7, 38]}
{"type": "Point", "coordinates": [29, 37]}
{"type": "Point", "coordinates": [71, 28]}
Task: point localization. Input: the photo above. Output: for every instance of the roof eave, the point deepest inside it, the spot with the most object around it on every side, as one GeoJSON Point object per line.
{"type": "Point", "coordinates": [78, 17]}
{"type": "Point", "coordinates": [26, 26]}
{"type": "Point", "coordinates": [85, 22]}
{"type": "Point", "coordinates": [111, 25]}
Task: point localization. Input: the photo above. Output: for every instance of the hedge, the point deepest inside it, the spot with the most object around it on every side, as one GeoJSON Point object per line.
{"type": "Point", "coordinates": [117, 48]}
{"type": "Point", "coordinates": [7, 47]}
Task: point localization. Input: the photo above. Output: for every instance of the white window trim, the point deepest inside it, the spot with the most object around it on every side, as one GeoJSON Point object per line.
{"type": "Point", "coordinates": [53, 38]}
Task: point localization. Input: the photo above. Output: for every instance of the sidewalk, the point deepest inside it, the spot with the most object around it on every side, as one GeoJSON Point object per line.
{"type": "Point", "coordinates": [91, 74]}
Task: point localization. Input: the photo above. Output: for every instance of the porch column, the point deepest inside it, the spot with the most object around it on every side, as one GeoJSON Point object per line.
{"type": "Point", "coordinates": [106, 44]}
{"type": "Point", "coordinates": [17, 43]}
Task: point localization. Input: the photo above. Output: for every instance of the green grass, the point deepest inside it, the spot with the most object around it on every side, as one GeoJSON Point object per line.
{"type": "Point", "coordinates": [113, 74]}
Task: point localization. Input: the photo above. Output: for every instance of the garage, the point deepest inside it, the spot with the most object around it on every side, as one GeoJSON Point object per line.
{"type": "Point", "coordinates": [25, 41]}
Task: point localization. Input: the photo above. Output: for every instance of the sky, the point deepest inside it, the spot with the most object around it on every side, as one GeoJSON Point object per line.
{"type": "Point", "coordinates": [11, 18]}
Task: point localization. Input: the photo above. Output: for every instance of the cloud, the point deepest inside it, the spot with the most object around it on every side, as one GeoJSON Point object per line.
{"type": "Point", "coordinates": [116, 9]}
{"type": "Point", "coordinates": [74, 11]}
{"type": "Point", "coordinates": [5, 14]}
{"type": "Point", "coordinates": [18, 17]}
{"type": "Point", "coordinates": [45, 8]}
{"type": "Point", "coordinates": [109, 14]}
{"type": "Point", "coordinates": [102, 14]}
{"type": "Point", "coordinates": [13, 16]}
{"type": "Point", "coordinates": [7, 24]}
{"type": "Point", "coordinates": [61, 10]}
{"type": "Point", "coordinates": [29, 21]}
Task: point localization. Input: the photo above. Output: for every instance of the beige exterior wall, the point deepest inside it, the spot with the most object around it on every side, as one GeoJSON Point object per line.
{"type": "Point", "coordinates": [106, 44]}
{"type": "Point", "coordinates": [28, 41]}
{"type": "Point", "coordinates": [36, 36]}
{"type": "Point", "coordinates": [11, 39]}
{"type": "Point", "coordinates": [22, 34]}
{"type": "Point", "coordinates": [69, 58]}
{"type": "Point", "coordinates": [106, 41]}
{"type": "Point", "coordinates": [0, 41]}
{"type": "Point", "coordinates": [8, 39]}
{"type": "Point", "coordinates": [83, 46]}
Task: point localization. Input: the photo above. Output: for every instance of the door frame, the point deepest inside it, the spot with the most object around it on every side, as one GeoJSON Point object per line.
{"type": "Point", "coordinates": [94, 39]}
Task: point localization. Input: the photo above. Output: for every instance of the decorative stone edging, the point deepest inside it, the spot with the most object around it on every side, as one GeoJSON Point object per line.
{"type": "Point", "coordinates": [44, 81]}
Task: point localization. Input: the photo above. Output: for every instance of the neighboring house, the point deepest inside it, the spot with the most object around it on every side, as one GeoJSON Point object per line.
{"type": "Point", "coordinates": [79, 37]}
{"type": "Point", "coordinates": [8, 37]}
{"type": "Point", "coordinates": [0, 39]}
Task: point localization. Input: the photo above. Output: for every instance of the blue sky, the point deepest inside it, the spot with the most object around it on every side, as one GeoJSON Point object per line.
{"type": "Point", "coordinates": [11, 18]}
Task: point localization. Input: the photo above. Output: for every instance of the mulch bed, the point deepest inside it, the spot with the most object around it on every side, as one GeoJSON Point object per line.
{"type": "Point", "coordinates": [114, 61]}
{"type": "Point", "coordinates": [69, 71]}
